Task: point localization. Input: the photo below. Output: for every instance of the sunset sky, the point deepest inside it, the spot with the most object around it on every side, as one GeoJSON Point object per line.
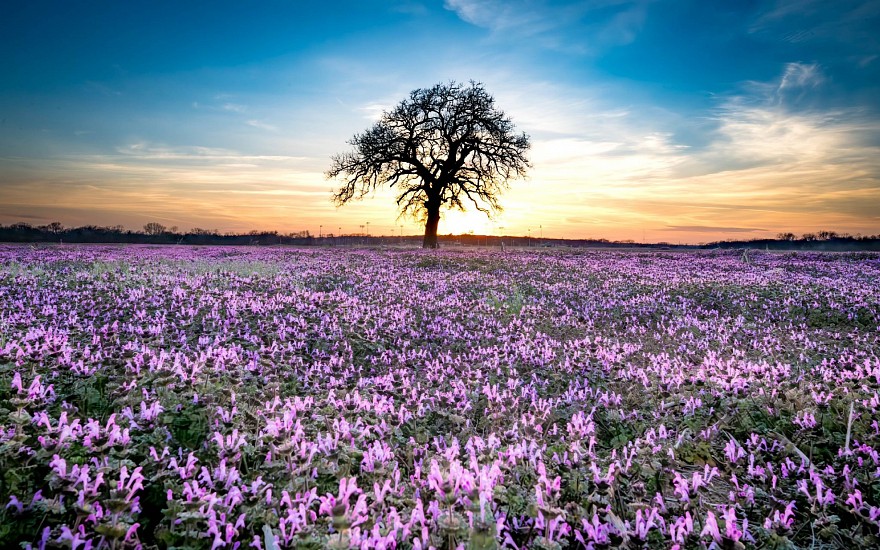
{"type": "Point", "coordinates": [682, 121]}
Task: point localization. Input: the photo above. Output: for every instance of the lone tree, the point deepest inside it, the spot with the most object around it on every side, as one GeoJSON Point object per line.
{"type": "Point", "coordinates": [443, 146]}
{"type": "Point", "coordinates": [154, 228]}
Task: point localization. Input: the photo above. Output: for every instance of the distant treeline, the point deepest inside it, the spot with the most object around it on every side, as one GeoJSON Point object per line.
{"type": "Point", "coordinates": [155, 233]}
{"type": "Point", "coordinates": [823, 240]}
{"type": "Point", "coordinates": [152, 233]}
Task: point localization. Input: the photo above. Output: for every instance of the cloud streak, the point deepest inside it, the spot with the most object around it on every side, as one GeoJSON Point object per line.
{"type": "Point", "coordinates": [262, 125]}
{"type": "Point", "coordinates": [710, 229]}
{"type": "Point", "coordinates": [608, 22]}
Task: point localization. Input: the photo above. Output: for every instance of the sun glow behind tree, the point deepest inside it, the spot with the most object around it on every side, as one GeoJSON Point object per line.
{"type": "Point", "coordinates": [443, 147]}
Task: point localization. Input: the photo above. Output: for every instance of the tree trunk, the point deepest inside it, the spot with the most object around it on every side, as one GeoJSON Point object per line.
{"type": "Point", "coordinates": [431, 227]}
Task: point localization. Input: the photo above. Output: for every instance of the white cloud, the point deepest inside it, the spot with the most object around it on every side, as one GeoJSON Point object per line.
{"type": "Point", "coordinates": [234, 107]}
{"type": "Point", "coordinates": [373, 111]}
{"type": "Point", "coordinates": [799, 76]}
{"type": "Point", "coordinates": [262, 125]}
{"type": "Point", "coordinates": [764, 162]}
{"type": "Point", "coordinates": [764, 128]}
{"type": "Point", "coordinates": [601, 23]}
{"type": "Point", "coordinates": [498, 15]}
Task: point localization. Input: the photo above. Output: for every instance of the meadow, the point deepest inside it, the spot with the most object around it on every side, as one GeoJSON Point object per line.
{"type": "Point", "coordinates": [271, 398]}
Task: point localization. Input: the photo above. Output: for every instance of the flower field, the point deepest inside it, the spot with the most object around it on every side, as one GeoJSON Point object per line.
{"type": "Point", "coordinates": [163, 397]}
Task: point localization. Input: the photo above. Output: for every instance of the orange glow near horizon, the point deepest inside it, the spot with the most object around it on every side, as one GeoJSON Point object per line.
{"type": "Point", "coordinates": [531, 208]}
{"type": "Point", "coordinates": [766, 171]}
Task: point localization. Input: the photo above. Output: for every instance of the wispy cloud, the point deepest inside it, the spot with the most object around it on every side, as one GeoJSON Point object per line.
{"type": "Point", "coordinates": [146, 151]}
{"type": "Point", "coordinates": [501, 16]}
{"type": "Point", "coordinates": [766, 129]}
{"type": "Point", "coordinates": [373, 111]}
{"type": "Point", "coordinates": [851, 25]}
{"type": "Point", "coordinates": [799, 76]}
{"type": "Point", "coordinates": [602, 23]}
{"type": "Point", "coordinates": [710, 229]}
{"type": "Point", "coordinates": [262, 125]}
{"type": "Point", "coordinates": [234, 107]}
{"type": "Point", "coordinates": [765, 158]}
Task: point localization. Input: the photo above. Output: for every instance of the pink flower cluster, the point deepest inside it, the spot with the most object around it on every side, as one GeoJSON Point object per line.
{"type": "Point", "coordinates": [274, 398]}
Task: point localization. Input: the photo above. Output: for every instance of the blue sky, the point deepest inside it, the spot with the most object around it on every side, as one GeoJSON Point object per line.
{"type": "Point", "coordinates": [661, 120]}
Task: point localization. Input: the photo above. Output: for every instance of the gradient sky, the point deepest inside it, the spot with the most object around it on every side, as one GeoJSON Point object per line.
{"type": "Point", "coordinates": [680, 121]}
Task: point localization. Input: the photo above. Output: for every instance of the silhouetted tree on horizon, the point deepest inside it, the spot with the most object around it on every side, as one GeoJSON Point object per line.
{"type": "Point", "coordinates": [154, 228]}
{"type": "Point", "coordinates": [443, 146]}
{"type": "Point", "coordinates": [54, 227]}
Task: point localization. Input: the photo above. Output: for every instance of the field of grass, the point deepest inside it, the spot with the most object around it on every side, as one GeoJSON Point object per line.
{"type": "Point", "coordinates": [279, 398]}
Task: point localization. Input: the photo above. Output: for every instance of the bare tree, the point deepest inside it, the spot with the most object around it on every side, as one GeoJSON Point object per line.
{"type": "Point", "coordinates": [444, 146]}
{"type": "Point", "coordinates": [54, 227]}
{"type": "Point", "coordinates": [154, 228]}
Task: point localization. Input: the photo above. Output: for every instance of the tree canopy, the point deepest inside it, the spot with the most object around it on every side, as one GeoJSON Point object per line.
{"type": "Point", "coordinates": [444, 146]}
